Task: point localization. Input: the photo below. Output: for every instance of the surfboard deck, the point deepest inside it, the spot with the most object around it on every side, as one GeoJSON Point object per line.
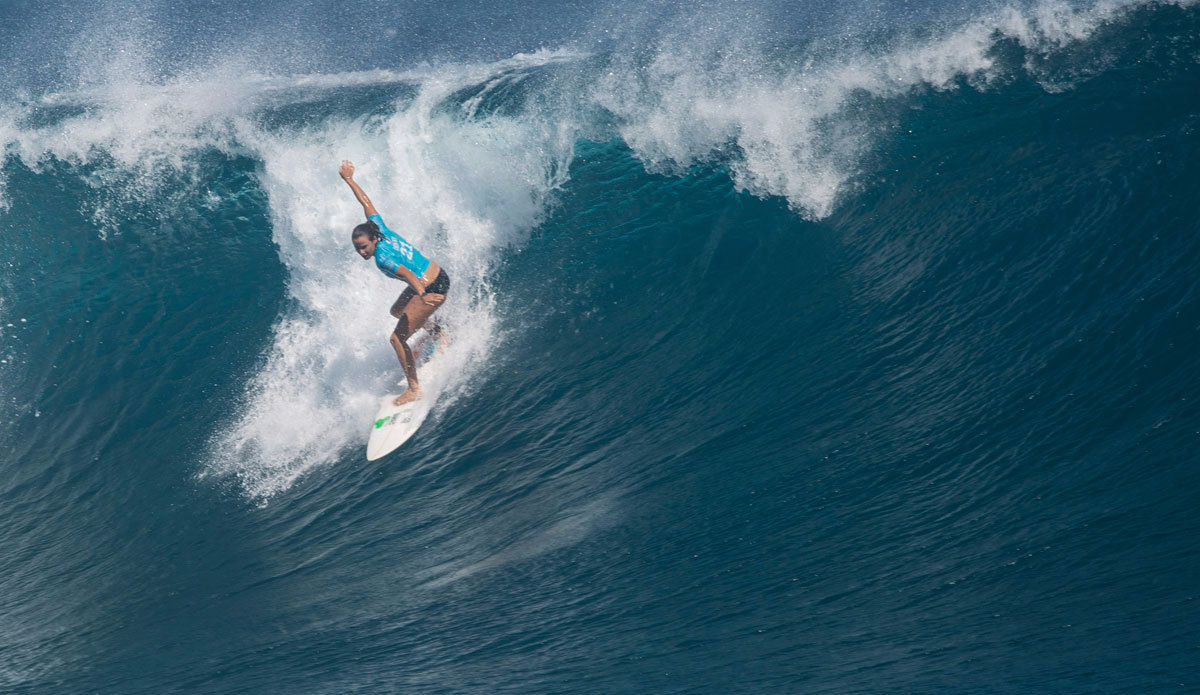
{"type": "Point", "coordinates": [395, 424]}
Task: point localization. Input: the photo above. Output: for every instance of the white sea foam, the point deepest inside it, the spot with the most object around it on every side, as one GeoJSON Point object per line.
{"type": "Point", "coordinates": [797, 131]}
{"type": "Point", "coordinates": [8, 134]}
{"type": "Point", "coordinates": [460, 190]}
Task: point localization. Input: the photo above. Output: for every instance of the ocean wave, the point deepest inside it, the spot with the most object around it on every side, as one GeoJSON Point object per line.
{"type": "Point", "coordinates": [470, 157]}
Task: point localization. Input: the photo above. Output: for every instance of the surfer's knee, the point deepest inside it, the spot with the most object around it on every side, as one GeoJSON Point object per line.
{"type": "Point", "coordinates": [397, 341]}
{"type": "Point", "coordinates": [401, 331]}
{"type": "Point", "coordinates": [401, 303]}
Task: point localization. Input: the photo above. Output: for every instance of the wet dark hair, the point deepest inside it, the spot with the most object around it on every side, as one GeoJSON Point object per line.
{"type": "Point", "coordinates": [368, 229]}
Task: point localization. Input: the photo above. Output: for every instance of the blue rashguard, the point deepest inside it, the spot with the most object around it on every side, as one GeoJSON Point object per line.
{"type": "Point", "coordinates": [393, 251]}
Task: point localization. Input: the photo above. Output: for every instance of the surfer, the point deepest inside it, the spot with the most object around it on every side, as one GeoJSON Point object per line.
{"type": "Point", "coordinates": [398, 259]}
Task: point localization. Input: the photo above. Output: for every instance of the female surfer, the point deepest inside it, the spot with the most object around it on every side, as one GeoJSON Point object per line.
{"type": "Point", "coordinates": [397, 259]}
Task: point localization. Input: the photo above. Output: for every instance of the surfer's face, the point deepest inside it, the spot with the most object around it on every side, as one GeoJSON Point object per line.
{"type": "Point", "coordinates": [364, 245]}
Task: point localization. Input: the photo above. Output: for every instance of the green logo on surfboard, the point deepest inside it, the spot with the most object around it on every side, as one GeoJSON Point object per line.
{"type": "Point", "coordinates": [381, 422]}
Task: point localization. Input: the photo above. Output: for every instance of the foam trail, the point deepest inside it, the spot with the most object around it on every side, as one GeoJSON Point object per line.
{"type": "Point", "coordinates": [571, 527]}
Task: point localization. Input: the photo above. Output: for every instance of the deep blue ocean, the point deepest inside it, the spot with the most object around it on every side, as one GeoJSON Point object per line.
{"type": "Point", "coordinates": [796, 349]}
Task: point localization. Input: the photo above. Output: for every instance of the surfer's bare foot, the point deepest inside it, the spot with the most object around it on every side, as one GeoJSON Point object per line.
{"type": "Point", "coordinates": [407, 397]}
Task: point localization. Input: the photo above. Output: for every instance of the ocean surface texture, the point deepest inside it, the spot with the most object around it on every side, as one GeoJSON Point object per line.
{"type": "Point", "coordinates": [843, 348]}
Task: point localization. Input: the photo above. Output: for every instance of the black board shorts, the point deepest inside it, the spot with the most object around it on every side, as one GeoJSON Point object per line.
{"type": "Point", "coordinates": [440, 284]}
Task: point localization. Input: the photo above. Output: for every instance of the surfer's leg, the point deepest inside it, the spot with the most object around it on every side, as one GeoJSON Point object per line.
{"type": "Point", "coordinates": [399, 341]}
{"type": "Point", "coordinates": [419, 309]}
{"type": "Point", "coordinates": [422, 308]}
{"type": "Point", "coordinates": [418, 312]}
{"type": "Point", "coordinates": [414, 316]}
{"type": "Point", "coordinates": [402, 301]}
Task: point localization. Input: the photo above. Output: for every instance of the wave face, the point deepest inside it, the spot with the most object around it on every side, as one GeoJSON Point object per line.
{"type": "Point", "coordinates": [794, 350]}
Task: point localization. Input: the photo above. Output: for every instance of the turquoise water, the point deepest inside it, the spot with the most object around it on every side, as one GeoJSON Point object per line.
{"type": "Point", "coordinates": [802, 361]}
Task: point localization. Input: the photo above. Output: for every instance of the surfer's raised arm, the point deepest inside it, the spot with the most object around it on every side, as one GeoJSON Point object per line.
{"type": "Point", "coordinates": [347, 172]}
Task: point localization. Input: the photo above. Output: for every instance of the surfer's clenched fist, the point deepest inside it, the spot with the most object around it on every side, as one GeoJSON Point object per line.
{"type": "Point", "coordinates": [346, 170]}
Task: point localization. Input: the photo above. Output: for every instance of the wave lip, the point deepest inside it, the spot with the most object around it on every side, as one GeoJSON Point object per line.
{"type": "Point", "coordinates": [800, 126]}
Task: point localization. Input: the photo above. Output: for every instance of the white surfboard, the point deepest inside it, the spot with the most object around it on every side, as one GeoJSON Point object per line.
{"type": "Point", "coordinates": [394, 424]}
